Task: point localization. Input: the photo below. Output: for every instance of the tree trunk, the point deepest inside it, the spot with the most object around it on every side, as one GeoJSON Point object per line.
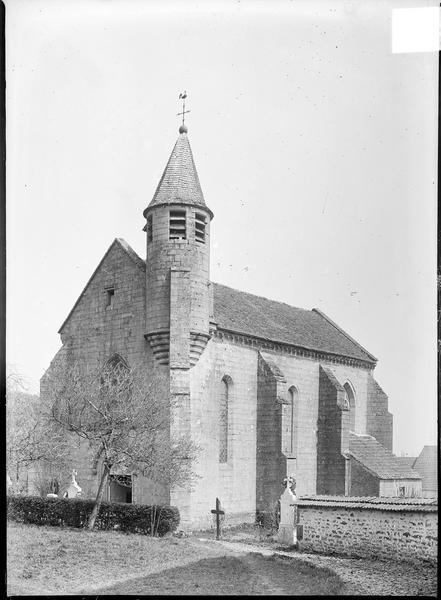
{"type": "Point", "coordinates": [99, 498]}
{"type": "Point", "coordinates": [156, 521]}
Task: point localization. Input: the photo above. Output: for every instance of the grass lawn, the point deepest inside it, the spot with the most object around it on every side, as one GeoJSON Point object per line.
{"type": "Point", "coordinates": [51, 560]}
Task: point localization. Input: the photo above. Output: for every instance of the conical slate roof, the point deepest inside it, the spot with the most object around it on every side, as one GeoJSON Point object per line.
{"type": "Point", "coordinates": [179, 182]}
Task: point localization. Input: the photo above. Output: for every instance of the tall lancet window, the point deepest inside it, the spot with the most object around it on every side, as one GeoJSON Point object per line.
{"type": "Point", "coordinates": [350, 397]}
{"type": "Point", "coordinates": [224, 393]}
{"type": "Point", "coordinates": [290, 422]}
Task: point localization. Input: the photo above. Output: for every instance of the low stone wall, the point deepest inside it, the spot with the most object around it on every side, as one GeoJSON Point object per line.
{"type": "Point", "coordinates": [389, 528]}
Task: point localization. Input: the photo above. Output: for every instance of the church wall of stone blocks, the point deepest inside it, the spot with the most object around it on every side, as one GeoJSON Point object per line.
{"type": "Point", "coordinates": [266, 390]}
{"type": "Point", "coordinates": [262, 445]}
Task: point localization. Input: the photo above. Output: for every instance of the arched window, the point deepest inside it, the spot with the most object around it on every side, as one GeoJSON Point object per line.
{"type": "Point", "coordinates": [350, 398]}
{"type": "Point", "coordinates": [117, 362]}
{"type": "Point", "coordinates": [290, 424]}
{"type": "Point", "coordinates": [115, 377]}
{"type": "Point", "coordinates": [116, 389]}
{"type": "Point", "coordinates": [224, 394]}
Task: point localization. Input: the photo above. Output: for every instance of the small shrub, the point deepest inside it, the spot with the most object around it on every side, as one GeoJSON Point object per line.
{"type": "Point", "coordinates": [63, 512]}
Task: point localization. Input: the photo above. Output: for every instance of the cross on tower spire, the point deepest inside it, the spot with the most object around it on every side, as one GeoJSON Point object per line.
{"type": "Point", "coordinates": [183, 127]}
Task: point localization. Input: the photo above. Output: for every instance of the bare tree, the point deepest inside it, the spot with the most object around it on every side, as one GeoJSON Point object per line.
{"type": "Point", "coordinates": [32, 441]}
{"type": "Point", "coordinates": [125, 418]}
{"type": "Point", "coordinates": [15, 381]}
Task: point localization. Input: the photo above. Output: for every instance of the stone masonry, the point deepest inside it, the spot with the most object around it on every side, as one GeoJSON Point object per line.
{"type": "Point", "coordinates": [191, 334]}
{"type": "Point", "coordinates": [397, 529]}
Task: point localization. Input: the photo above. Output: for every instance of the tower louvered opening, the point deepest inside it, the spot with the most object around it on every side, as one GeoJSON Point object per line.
{"type": "Point", "coordinates": [178, 225]}
{"type": "Point", "coordinates": [199, 228]}
{"type": "Point", "coordinates": [149, 228]}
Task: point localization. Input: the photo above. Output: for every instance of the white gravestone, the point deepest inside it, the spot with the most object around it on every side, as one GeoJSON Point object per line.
{"type": "Point", "coordinates": [287, 533]}
{"type": "Point", "coordinates": [73, 490]}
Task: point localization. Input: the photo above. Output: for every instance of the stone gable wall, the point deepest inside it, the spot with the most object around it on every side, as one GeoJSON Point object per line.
{"type": "Point", "coordinates": [394, 531]}
{"type": "Point", "coordinates": [93, 333]}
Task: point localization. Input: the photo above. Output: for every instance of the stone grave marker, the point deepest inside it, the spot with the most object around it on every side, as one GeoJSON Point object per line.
{"type": "Point", "coordinates": [287, 534]}
{"type": "Point", "coordinates": [73, 489]}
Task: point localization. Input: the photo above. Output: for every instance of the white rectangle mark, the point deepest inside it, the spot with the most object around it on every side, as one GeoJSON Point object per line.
{"type": "Point", "coordinates": [415, 29]}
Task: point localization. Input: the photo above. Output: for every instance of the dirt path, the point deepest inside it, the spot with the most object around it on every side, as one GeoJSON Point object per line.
{"type": "Point", "coordinates": [234, 571]}
{"type": "Point", "coordinates": [361, 576]}
{"type": "Point", "coordinates": [263, 576]}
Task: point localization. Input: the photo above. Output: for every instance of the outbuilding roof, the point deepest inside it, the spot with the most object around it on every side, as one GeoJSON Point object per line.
{"type": "Point", "coordinates": [408, 461]}
{"type": "Point", "coordinates": [427, 466]}
{"type": "Point", "coordinates": [377, 459]}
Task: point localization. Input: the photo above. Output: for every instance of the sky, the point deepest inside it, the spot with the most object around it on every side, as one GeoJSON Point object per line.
{"type": "Point", "coordinates": [315, 145]}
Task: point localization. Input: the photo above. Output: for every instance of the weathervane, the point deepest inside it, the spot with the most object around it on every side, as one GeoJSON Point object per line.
{"type": "Point", "coordinates": [183, 128]}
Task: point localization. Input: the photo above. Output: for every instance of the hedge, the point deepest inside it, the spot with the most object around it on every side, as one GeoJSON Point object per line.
{"type": "Point", "coordinates": [63, 512]}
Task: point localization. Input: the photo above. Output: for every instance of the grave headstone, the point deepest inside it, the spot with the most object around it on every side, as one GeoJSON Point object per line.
{"type": "Point", "coordinates": [73, 489]}
{"type": "Point", "coordinates": [287, 534]}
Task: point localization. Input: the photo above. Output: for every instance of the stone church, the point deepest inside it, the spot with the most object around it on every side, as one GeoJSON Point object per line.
{"type": "Point", "coordinates": [266, 389]}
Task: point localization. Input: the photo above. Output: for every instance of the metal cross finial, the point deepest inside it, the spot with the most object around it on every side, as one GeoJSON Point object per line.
{"type": "Point", "coordinates": [182, 97]}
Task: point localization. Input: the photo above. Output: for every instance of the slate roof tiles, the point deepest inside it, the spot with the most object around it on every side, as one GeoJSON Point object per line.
{"type": "Point", "coordinates": [377, 459]}
{"type": "Point", "coordinates": [179, 182]}
{"type": "Point", "coordinates": [260, 317]}
{"type": "Point", "coordinates": [427, 466]}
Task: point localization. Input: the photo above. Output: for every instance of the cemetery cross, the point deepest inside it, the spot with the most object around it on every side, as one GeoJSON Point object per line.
{"type": "Point", "coordinates": [217, 511]}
